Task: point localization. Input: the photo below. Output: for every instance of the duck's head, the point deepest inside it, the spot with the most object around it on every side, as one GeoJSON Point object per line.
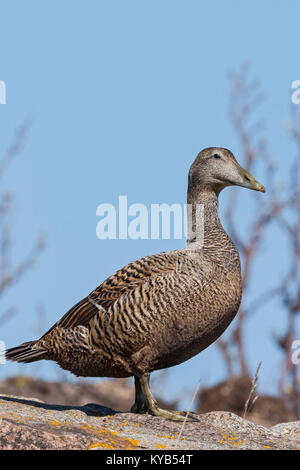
{"type": "Point", "coordinates": [216, 168]}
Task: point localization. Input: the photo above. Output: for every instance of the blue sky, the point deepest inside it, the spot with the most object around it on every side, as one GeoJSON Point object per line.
{"type": "Point", "coordinates": [122, 96]}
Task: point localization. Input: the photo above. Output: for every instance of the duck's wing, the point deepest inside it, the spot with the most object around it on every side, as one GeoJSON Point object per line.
{"type": "Point", "coordinates": [124, 280]}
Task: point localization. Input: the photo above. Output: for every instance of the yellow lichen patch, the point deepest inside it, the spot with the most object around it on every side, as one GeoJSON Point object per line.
{"type": "Point", "coordinates": [232, 440]}
{"type": "Point", "coordinates": [100, 444]}
{"type": "Point", "coordinates": [87, 426]}
{"type": "Point", "coordinates": [169, 437]}
{"type": "Point", "coordinates": [54, 423]}
{"type": "Point", "coordinates": [124, 424]}
{"type": "Point", "coordinates": [160, 446]}
{"type": "Point", "coordinates": [110, 435]}
{"type": "Point", "coordinates": [133, 441]}
{"type": "Point", "coordinates": [107, 431]}
{"type": "Point", "coordinates": [267, 447]}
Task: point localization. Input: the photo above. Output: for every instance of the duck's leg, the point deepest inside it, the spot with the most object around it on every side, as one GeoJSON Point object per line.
{"type": "Point", "coordinates": [139, 405]}
{"type": "Point", "coordinates": [146, 403]}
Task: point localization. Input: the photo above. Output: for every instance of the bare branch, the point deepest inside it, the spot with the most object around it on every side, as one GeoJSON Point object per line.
{"type": "Point", "coordinates": [13, 277]}
{"type": "Point", "coordinates": [16, 146]}
{"type": "Point", "coordinates": [10, 275]}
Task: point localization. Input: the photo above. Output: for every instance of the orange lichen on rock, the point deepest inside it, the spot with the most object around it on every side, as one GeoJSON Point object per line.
{"type": "Point", "coordinates": [100, 444]}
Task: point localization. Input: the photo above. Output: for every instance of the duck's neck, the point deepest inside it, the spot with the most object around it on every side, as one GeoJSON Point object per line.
{"type": "Point", "coordinates": [205, 230]}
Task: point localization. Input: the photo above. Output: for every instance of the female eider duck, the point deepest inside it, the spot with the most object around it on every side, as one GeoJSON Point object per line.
{"type": "Point", "coordinates": [163, 309]}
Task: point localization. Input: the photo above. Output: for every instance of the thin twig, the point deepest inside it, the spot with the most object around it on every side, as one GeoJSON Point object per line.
{"type": "Point", "coordinates": [26, 264]}
{"type": "Point", "coordinates": [16, 146]}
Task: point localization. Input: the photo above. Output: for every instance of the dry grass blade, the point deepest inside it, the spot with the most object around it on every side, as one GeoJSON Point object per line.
{"type": "Point", "coordinates": [189, 409]}
{"type": "Point", "coordinates": [252, 397]}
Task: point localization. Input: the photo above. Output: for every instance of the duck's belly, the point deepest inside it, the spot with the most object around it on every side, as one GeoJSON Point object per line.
{"type": "Point", "coordinates": [188, 348]}
{"type": "Point", "coordinates": [188, 335]}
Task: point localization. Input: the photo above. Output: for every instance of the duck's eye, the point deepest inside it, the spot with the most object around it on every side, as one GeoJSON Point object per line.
{"type": "Point", "coordinates": [216, 155]}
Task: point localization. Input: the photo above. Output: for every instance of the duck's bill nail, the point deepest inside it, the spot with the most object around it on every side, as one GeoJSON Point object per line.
{"type": "Point", "coordinates": [255, 185]}
{"type": "Point", "coordinates": [259, 187]}
{"type": "Point", "coordinates": [251, 183]}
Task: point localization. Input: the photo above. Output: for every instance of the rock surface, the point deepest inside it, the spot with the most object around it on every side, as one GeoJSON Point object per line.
{"type": "Point", "coordinates": [32, 424]}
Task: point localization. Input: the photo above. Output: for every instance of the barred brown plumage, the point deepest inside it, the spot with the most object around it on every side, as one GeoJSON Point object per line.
{"type": "Point", "coordinates": [160, 310]}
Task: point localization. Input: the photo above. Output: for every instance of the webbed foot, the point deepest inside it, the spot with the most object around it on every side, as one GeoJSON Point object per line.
{"type": "Point", "coordinates": [145, 403]}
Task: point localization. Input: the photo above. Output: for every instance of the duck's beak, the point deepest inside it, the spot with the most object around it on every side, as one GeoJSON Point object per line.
{"type": "Point", "coordinates": [249, 181]}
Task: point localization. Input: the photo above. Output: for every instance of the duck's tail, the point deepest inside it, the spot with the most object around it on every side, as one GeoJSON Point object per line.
{"type": "Point", "coordinates": [26, 352]}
